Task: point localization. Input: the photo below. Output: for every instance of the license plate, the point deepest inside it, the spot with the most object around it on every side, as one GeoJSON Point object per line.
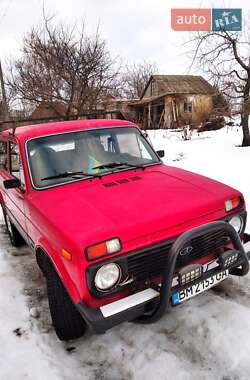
{"type": "Point", "coordinates": [198, 288]}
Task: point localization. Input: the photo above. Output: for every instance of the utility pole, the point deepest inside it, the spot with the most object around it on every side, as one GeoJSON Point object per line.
{"type": "Point", "coordinates": [4, 99]}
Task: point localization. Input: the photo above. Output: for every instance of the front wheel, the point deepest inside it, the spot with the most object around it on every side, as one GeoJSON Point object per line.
{"type": "Point", "coordinates": [67, 321]}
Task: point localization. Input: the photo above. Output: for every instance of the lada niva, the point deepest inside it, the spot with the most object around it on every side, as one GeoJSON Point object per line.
{"type": "Point", "coordinates": [118, 235]}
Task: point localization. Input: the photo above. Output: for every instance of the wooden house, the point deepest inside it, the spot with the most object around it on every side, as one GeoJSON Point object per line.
{"type": "Point", "coordinates": [170, 101]}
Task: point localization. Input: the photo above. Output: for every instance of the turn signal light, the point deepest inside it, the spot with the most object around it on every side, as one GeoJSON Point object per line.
{"type": "Point", "coordinates": [67, 255]}
{"type": "Point", "coordinates": [104, 248]}
{"type": "Point", "coordinates": [233, 203]}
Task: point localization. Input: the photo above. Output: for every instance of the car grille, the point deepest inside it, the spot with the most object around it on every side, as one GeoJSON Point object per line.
{"type": "Point", "coordinates": [150, 263]}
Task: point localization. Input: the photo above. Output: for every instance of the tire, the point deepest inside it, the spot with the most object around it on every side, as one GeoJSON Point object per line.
{"type": "Point", "coordinates": [67, 321]}
{"type": "Point", "coordinates": [14, 235]}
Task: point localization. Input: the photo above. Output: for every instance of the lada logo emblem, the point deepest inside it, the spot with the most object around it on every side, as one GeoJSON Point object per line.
{"type": "Point", "coordinates": [186, 251]}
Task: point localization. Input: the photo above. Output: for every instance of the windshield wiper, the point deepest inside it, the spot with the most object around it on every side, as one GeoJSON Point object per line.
{"type": "Point", "coordinates": [71, 174]}
{"type": "Point", "coordinates": [112, 165]}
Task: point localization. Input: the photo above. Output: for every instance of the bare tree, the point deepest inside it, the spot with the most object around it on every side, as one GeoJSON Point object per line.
{"type": "Point", "coordinates": [62, 64]}
{"type": "Point", "coordinates": [135, 77]}
{"type": "Point", "coordinates": [4, 112]}
{"type": "Point", "coordinates": [225, 57]}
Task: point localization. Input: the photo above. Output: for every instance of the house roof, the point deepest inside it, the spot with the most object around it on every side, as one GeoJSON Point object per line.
{"type": "Point", "coordinates": [181, 84]}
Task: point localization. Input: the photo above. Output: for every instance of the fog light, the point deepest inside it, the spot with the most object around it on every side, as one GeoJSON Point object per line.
{"type": "Point", "coordinates": [107, 276]}
{"type": "Point", "coordinates": [237, 223]}
{"type": "Point", "coordinates": [190, 273]}
{"type": "Point", "coordinates": [228, 258]}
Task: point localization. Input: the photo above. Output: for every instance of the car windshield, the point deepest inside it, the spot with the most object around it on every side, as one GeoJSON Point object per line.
{"type": "Point", "coordinates": [74, 156]}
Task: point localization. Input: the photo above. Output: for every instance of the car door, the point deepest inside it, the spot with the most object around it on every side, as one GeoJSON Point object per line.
{"type": "Point", "coordinates": [14, 199]}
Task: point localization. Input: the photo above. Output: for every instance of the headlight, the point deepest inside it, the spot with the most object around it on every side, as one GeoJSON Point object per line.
{"type": "Point", "coordinates": [107, 276]}
{"type": "Point", "coordinates": [237, 223]}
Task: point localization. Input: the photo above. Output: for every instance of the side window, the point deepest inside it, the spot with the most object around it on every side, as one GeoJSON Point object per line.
{"type": "Point", "coordinates": [16, 167]}
{"type": "Point", "coordinates": [3, 155]}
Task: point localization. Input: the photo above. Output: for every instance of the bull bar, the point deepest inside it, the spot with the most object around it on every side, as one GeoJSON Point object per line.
{"type": "Point", "coordinates": [149, 305]}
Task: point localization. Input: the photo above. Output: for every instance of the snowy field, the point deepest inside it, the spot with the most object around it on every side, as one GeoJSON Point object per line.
{"type": "Point", "coordinates": [208, 337]}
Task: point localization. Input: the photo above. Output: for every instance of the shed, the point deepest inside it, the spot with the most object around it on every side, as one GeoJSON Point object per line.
{"type": "Point", "coordinates": [170, 101]}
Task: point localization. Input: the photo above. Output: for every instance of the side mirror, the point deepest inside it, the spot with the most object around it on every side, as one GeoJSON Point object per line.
{"type": "Point", "coordinates": [161, 153]}
{"type": "Point", "coordinates": [12, 183]}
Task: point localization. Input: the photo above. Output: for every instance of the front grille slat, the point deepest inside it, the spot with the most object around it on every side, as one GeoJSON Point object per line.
{"type": "Point", "coordinates": [151, 262]}
{"type": "Point", "coordinates": [208, 246]}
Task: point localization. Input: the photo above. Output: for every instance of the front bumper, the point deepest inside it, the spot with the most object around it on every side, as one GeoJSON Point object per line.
{"type": "Point", "coordinates": [149, 305]}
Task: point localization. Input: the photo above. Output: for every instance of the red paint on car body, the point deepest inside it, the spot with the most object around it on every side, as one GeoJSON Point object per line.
{"type": "Point", "coordinates": [161, 204]}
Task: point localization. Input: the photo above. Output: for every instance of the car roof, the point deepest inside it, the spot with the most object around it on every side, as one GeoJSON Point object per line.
{"type": "Point", "coordinates": [36, 130]}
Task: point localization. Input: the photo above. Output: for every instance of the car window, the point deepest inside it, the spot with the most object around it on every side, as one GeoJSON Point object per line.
{"type": "Point", "coordinates": [16, 167]}
{"type": "Point", "coordinates": [128, 143]}
{"type": "Point", "coordinates": [64, 146]}
{"type": "Point", "coordinates": [85, 151]}
{"type": "Point", "coordinates": [3, 155]}
{"type": "Point", "coordinates": [143, 151]}
{"type": "Point", "coordinates": [107, 142]}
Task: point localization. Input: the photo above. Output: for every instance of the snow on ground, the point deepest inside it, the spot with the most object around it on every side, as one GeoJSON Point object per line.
{"type": "Point", "coordinates": [213, 154]}
{"type": "Point", "coordinates": [208, 337]}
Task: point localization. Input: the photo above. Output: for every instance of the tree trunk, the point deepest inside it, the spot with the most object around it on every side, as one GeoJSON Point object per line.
{"type": "Point", "coordinates": [245, 115]}
{"type": "Point", "coordinates": [245, 128]}
{"type": "Point", "coordinates": [4, 100]}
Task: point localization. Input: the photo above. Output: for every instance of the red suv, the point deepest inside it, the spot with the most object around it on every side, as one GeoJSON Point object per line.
{"type": "Point", "coordinates": [118, 235]}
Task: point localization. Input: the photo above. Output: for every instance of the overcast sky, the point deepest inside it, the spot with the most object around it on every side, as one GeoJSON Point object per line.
{"type": "Point", "coordinates": [136, 30]}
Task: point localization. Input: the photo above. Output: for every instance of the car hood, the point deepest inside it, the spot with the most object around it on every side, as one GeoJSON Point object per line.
{"type": "Point", "coordinates": [131, 204]}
